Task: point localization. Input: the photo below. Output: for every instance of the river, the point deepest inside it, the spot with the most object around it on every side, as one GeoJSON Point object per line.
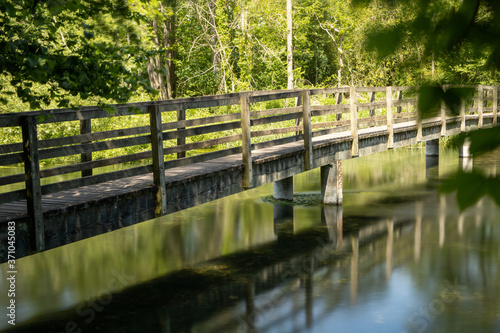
{"type": "Point", "coordinates": [398, 256]}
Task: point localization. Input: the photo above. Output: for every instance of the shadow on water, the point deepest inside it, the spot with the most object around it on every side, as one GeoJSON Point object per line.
{"type": "Point", "coordinates": [181, 300]}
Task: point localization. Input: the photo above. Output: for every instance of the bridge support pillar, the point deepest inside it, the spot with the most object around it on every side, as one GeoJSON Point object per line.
{"type": "Point", "coordinates": [465, 157]}
{"type": "Point", "coordinates": [464, 150]}
{"type": "Point", "coordinates": [331, 183]}
{"type": "Point", "coordinates": [283, 189]}
{"type": "Point", "coordinates": [432, 147]}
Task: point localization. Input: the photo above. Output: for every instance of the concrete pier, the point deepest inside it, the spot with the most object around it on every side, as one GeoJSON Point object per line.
{"type": "Point", "coordinates": [432, 148]}
{"type": "Point", "coordinates": [283, 189]}
{"type": "Point", "coordinates": [332, 183]}
{"type": "Point", "coordinates": [464, 150]}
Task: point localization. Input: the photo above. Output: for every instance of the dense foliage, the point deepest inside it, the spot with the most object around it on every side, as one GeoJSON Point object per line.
{"type": "Point", "coordinates": [60, 53]}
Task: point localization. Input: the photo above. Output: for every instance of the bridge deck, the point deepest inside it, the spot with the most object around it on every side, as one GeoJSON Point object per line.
{"type": "Point", "coordinates": [63, 200]}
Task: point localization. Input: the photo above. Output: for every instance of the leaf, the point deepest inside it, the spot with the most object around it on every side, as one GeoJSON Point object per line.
{"type": "Point", "coordinates": [470, 187]}
{"type": "Point", "coordinates": [484, 140]}
{"type": "Point", "coordinates": [429, 102]}
{"type": "Point", "coordinates": [384, 42]}
{"type": "Point", "coordinates": [453, 98]}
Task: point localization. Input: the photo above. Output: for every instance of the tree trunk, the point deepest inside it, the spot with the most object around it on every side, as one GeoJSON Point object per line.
{"type": "Point", "coordinates": [341, 61]}
{"type": "Point", "coordinates": [289, 43]}
{"type": "Point", "coordinates": [154, 64]}
{"type": "Point", "coordinates": [169, 27]}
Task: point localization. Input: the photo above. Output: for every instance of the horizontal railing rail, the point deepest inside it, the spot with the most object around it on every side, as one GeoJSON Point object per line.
{"type": "Point", "coordinates": [172, 133]}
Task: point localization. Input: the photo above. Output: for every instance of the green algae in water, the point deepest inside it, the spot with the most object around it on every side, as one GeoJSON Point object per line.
{"type": "Point", "coordinates": [299, 199]}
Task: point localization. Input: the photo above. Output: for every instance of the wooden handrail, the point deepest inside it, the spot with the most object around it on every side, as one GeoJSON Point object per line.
{"type": "Point", "coordinates": [243, 130]}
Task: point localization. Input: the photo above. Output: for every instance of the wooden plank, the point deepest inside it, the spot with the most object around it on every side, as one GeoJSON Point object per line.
{"type": "Point", "coordinates": [273, 112]}
{"type": "Point", "coordinates": [298, 121]}
{"type": "Point", "coordinates": [275, 131]}
{"type": "Point", "coordinates": [307, 133]}
{"type": "Point", "coordinates": [96, 146]}
{"type": "Point", "coordinates": [12, 179]}
{"type": "Point", "coordinates": [13, 196]}
{"type": "Point", "coordinates": [370, 119]}
{"type": "Point", "coordinates": [95, 179]}
{"type": "Point", "coordinates": [354, 122]}
{"type": "Point", "coordinates": [11, 148]}
{"type": "Point", "coordinates": [373, 123]}
{"type": "Point", "coordinates": [480, 95]}
{"type": "Point", "coordinates": [404, 120]}
{"type": "Point", "coordinates": [403, 88]}
{"type": "Point", "coordinates": [200, 130]}
{"type": "Point", "coordinates": [339, 101]}
{"type": "Point", "coordinates": [330, 124]}
{"type": "Point", "coordinates": [399, 97]}
{"type": "Point", "coordinates": [276, 142]}
{"type": "Point", "coordinates": [370, 106]}
{"type": "Point", "coordinates": [275, 119]}
{"type": "Point", "coordinates": [36, 232]}
{"type": "Point", "coordinates": [11, 159]}
{"type": "Point", "coordinates": [86, 156]}
{"type": "Point", "coordinates": [390, 120]}
{"type": "Point", "coordinates": [370, 89]}
{"type": "Point", "coordinates": [246, 145]}
{"type": "Point", "coordinates": [200, 121]}
{"type": "Point", "coordinates": [95, 164]}
{"type": "Point", "coordinates": [336, 107]}
{"type": "Point", "coordinates": [372, 100]}
{"type": "Point", "coordinates": [328, 91]}
{"type": "Point", "coordinates": [254, 98]}
{"type": "Point", "coordinates": [462, 116]}
{"type": "Point", "coordinates": [405, 102]}
{"type": "Point", "coordinates": [158, 162]}
{"type": "Point", "coordinates": [76, 139]}
{"type": "Point", "coordinates": [443, 118]}
{"type": "Point", "coordinates": [328, 112]}
{"type": "Point", "coordinates": [202, 157]}
{"type": "Point", "coordinates": [181, 116]}
{"type": "Point", "coordinates": [201, 144]}
{"type": "Point", "coordinates": [419, 125]}
{"type": "Point", "coordinates": [495, 105]}
{"type": "Point", "coordinates": [331, 131]}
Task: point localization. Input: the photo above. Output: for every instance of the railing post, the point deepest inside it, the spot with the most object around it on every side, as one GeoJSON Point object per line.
{"type": "Point", "coordinates": [495, 104]}
{"type": "Point", "coordinates": [399, 109]}
{"type": "Point", "coordinates": [158, 160]}
{"type": "Point", "coordinates": [36, 229]}
{"type": "Point", "coordinates": [181, 115]}
{"type": "Point", "coordinates": [354, 122]}
{"type": "Point", "coordinates": [307, 132]}
{"type": "Point", "coordinates": [419, 122]}
{"type": "Point", "coordinates": [339, 101]}
{"type": "Point", "coordinates": [462, 115]}
{"type": "Point", "coordinates": [390, 120]}
{"type": "Point", "coordinates": [246, 142]}
{"type": "Point", "coordinates": [86, 156]}
{"type": "Point", "coordinates": [480, 99]}
{"type": "Point", "coordinates": [298, 121]}
{"type": "Point", "coordinates": [372, 99]}
{"type": "Point", "coordinates": [443, 119]}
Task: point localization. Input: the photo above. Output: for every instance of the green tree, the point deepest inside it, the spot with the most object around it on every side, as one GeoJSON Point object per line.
{"type": "Point", "coordinates": [87, 49]}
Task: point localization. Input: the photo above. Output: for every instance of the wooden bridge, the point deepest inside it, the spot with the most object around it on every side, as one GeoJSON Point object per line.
{"type": "Point", "coordinates": [254, 138]}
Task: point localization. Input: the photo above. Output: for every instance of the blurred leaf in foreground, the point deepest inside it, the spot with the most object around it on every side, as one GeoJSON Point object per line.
{"type": "Point", "coordinates": [470, 187]}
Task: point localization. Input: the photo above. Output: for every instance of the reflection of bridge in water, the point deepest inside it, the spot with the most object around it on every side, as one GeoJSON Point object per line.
{"type": "Point", "coordinates": [274, 285]}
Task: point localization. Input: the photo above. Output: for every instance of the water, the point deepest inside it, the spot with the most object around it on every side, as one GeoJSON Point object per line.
{"type": "Point", "coordinates": [397, 257]}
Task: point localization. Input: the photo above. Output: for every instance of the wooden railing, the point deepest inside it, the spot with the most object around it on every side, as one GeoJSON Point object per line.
{"type": "Point", "coordinates": [173, 135]}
